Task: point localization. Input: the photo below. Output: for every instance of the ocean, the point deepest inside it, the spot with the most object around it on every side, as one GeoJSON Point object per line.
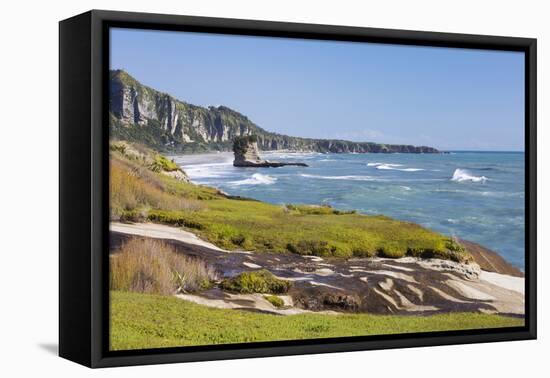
{"type": "Point", "coordinates": [478, 196]}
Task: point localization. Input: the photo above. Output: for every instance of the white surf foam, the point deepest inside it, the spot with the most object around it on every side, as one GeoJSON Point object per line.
{"type": "Point", "coordinates": [290, 155]}
{"type": "Point", "coordinates": [461, 175]}
{"type": "Point", "coordinates": [393, 167]}
{"type": "Point", "coordinates": [256, 179]}
{"type": "Point", "coordinates": [353, 178]}
{"type": "Point", "coordinates": [407, 169]}
{"type": "Point", "coordinates": [383, 164]}
{"type": "Point", "coordinates": [201, 173]}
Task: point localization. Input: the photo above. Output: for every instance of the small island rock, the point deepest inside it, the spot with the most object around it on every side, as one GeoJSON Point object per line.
{"type": "Point", "coordinates": [247, 154]}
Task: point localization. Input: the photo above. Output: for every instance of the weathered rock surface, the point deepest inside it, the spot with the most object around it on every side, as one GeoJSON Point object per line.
{"type": "Point", "coordinates": [247, 154]}
{"type": "Point", "coordinates": [142, 114]}
{"type": "Point", "coordinates": [373, 285]}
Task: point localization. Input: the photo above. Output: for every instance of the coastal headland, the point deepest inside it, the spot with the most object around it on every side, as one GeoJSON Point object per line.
{"type": "Point", "coordinates": [205, 248]}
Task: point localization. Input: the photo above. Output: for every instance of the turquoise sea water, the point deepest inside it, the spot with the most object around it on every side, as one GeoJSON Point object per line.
{"type": "Point", "coordinates": [477, 196]}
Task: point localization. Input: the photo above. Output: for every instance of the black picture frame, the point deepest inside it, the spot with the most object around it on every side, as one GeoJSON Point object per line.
{"type": "Point", "coordinates": [83, 182]}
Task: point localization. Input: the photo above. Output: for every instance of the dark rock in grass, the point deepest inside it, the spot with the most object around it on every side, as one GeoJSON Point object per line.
{"type": "Point", "coordinates": [247, 154]}
{"type": "Point", "coordinates": [324, 298]}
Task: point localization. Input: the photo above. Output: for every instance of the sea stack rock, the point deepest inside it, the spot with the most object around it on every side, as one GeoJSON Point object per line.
{"type": "Point", "coordinates": [247, 154]}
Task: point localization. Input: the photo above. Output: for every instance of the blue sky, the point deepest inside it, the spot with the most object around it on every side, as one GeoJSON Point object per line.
{"type": "Point", "coordinates": [452, 99]}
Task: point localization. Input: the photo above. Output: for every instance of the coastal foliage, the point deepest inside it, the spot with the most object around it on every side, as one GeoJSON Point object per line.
{"type": "Point", "coordinates": [275, 300]}
{"type": "Point", "coordinates": [259, 281]}
{"type": "Point", "coordinates": [139, 194]}
{"type": "Point", "coordinates": [149, 321]}
{"type": "Point", "coordinates": [161, 163]}
{"type": "Point", "coordinates": [151, 266]}
{"type": "Point", "coordinates": [135, 190]}
{"type": "Point", "coordinates": [317, 210]}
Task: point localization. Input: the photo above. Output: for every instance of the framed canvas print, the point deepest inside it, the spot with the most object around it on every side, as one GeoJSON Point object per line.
{"type": "Point", "coordinates": [234, 188]}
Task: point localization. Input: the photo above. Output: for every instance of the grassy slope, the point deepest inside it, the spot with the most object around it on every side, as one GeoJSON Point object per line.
{"type": "Point", "coordinates": [151, 321]}
{"type": "Point", "coordinates": [138, 194]}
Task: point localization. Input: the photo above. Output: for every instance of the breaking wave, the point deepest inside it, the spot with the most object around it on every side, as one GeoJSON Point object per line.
{"type": "Point", "coordinates": [256, 179]}
{"type": "Point", "coordinates": [352, 177]}
{"type": "Point", "coordinates": [393, 167]}
{"type": "Point", "coordinates": [461, 175]}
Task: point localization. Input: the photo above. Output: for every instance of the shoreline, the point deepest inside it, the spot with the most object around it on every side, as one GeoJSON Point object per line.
{"type": "Point", "coordinates": [487, 258]}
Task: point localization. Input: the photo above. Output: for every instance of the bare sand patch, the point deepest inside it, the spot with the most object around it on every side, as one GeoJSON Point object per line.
{"type": "Point", "coordinates": [160, 231]}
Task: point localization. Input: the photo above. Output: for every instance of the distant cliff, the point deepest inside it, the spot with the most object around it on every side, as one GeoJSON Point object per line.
{"type": "Point", "coordinates": [141, 114]}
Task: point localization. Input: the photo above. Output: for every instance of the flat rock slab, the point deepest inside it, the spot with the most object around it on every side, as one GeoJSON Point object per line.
{"type": "Point", "coordinates": [267, 164]}
{"type": "Point", "coordinates": [371, 285]}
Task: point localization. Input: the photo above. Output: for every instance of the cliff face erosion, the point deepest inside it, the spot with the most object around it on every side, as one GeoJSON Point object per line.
{"type": "Point", "coordinates": [142, 114]}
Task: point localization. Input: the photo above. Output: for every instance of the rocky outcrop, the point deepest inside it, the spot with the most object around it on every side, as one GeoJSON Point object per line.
{"type": "Point", "coordinates": [370, 285]}
{"type": "Point", "coordinates": [247, 154]}
{"type": "Point", "coordinates": [142, 114]}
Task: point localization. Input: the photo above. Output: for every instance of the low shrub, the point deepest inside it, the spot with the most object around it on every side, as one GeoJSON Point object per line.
{"type": "Point", "coordinates": [461, 256]}
{"type": "Point", "coordinates": [151, 266]}
{"type": "Point", "coordinates": [259, 281]}
{"type": "Point", "coordinates": [161, 163]}
{"type": "Point", "coordinates": [118, 147]}
{"type": "Point", "coordinates": [173, 218]}
{"type": "Point", "coordinates": [425, 253]}
{"type": "Point", "coordinates": [130, 216]}
{"type": "Point", "coordinates": [391, 251]}
{"type": "Point", "coordinates": [362, 252]}
{"type": "Point", "coordinates": [316, 210]}
{"type": "Point", "coordinates": [238, 240]}
{"type": "Point", "coordinates": [454, 245]}
{"type": "Point", "coordinates": [311, 247]}
{"type": "Point", "coordinates": [275, 300]}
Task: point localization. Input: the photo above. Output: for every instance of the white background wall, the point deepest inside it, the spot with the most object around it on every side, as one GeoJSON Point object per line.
{"type": "Point", "coordinates": [29, 188]}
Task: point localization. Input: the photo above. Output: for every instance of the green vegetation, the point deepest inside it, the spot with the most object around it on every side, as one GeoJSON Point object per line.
{"type": "Point", "coordinates": [454, 245]}
{"type": "Point", "coordinates": [150, 321]}
{"type": "Point", "coordinates": [275, 300]}
{"type": "Point", "coordinates": [259, 226]}
{"type": "Point", "coordinates": [139, 194]}
{"type": "Point", "coordinates": [317, 210]}
{"type": "Point", "coordinates": [259, 281]}
{"type": "Point", "coordinates": [160, 163]}
{"type": "Point", "coordinates": [151, 266]}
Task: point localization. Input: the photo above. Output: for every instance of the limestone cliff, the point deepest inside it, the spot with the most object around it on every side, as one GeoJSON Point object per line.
{"type": "Point", "coordinates": [142, 114]}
